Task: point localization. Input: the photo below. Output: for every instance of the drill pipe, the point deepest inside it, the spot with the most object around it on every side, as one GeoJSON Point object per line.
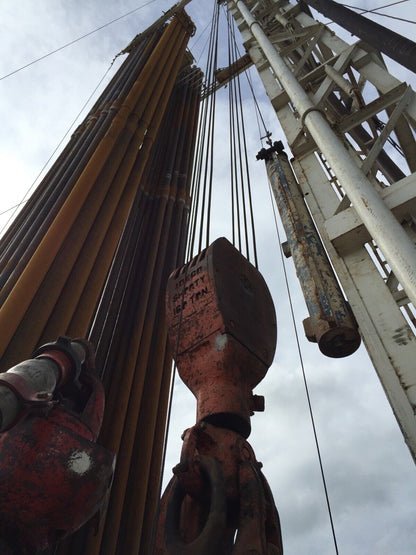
{"type": "Point", "coordinates": [102, 239]}
{"type": "Point", "coordinates": [153, 480]}
{"type": "Point", "coordinates": [117, 286]}
{"type": "Point", "coordinates": [331, 323]}
{"type": "Point", "coordinates": [143, 339]}
{"type": "Point", "coordinates": [173, 248]}
{"type": "Point", "coordinates": [148, 268]}
{"type": "Point", "coordinates": [48, 198]}
{"type": "Point", "coordinates": [134, 509]}
{"type": "Point", "coordinates": [104, 330]}
{"type": "Point", "coordinates": [139, 367]}
{"type": "Point", "coordinates": [26, 287]}
{"type": "Point", "coordinates": [82, 316]}
{"type": "Point", "coordinates": [50, 289]}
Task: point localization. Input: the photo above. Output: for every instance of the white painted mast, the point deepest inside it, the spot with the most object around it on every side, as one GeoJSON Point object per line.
{"type": "Point", "coordinates": [363, 203]}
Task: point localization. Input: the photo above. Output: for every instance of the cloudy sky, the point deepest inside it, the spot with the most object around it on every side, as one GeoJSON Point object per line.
{"type": "Point", "coordinates": [370, 474]}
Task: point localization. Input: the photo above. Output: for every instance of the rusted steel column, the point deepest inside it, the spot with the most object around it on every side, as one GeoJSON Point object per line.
{"type": "Point", "coordinates": [331, 323]}
{"type": "Point", "coordinates": [25, 289]}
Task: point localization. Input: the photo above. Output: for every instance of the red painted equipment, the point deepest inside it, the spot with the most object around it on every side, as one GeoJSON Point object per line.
{"type": "Point", "coordinates": [222, 327]}
{"type": "Point", "coordinates": [53, 476]}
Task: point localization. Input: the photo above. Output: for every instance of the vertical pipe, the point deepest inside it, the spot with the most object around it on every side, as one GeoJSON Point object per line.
{"type": "Point", "coordinates": [101, 242]}
{"type": "Point", "coordinates": [396, 246]}
{"type": "Point", "coordinates": [25, 289]}
{"type": "Point", "coordinates": [83, 314]}
{"type": "Point", "coordinates": [108, 322]}
{"type": "Point", "coordinates": [155, 476]}
{"type": "Point", "coordinates": [330, 323]}
{"type": "Point", "coordinates": [54, 189]}
{"type": "Point", "coordinates": [134, 505]}
{"type": "Point", "coordinates": [138, 364]}
{"type": "Point", "coordinates": [135, 363]}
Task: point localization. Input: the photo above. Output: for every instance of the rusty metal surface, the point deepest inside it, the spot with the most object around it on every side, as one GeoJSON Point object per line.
{"type": "Point", "coordinates": [222, 328]}
{"type": "Point", "coordinates": [223, 309]}
{"type": "Point", "coordinates": [331, 323]}
{"type": "Point", "coordinates": [218, 500]}
{"type": "Point", "coordinates": [227, 73]}
{"type": "Point", "coordinates": [53, 475]}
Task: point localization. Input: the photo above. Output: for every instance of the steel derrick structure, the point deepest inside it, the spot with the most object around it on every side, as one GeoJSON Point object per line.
{"type": "Point", "coordinates": [327, 95]}
{"type": "Point", "coordinates": [116, 279]}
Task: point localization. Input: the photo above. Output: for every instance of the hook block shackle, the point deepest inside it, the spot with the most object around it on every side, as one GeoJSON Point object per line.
{"type": "Point", "coordinates": [222, 329]}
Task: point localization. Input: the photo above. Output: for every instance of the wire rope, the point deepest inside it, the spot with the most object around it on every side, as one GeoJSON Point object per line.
{"type": "Point", "coordinates": [209, 166]}
{"type": "Point", "coordinates": [243, 148]}
{"type": "Point", "coordinates": [235, 202]}
{"type": "Point", "coordinates": [231, 144]}
{"type": "Point", "coordinates": [242, 217]}
{"type": "Point", "coordinates": [377, 8]}
{"type": "Point", "coordinates": [239, 121]}
{"type": "Point", "coordinates": [374, 12]}
{"type": "Point", "coordinates": [250, 84]}
{"type": "Point", "coordinates": [76, 40]}
{"type": "Point", "coordinates": [196, 42]}
{"type": "Point", "coordinates": [202, 174]}
{"type": "Point", "coordinates": [309, 402]}
{"type": "Point", "coordinates": [198, 161]}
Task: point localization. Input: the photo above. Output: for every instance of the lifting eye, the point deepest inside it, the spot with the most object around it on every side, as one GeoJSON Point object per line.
{"type": "Point", "coordinates": [209, 540]}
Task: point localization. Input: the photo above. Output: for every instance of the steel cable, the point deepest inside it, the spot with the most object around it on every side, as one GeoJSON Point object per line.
{"type": "Point", "coordinates": [211, 127]}
{"type": "Point", "coordinates": [25, 199]}
{"type": "Point", "coordinates": [203, 164]}
{"type": "Point", "coordinates": [75, 40]}
{"type": "Point", "coordinates": [267, 134]}
{"type": "Point", "coordinates": [243, 182]}
{"type": "Point", "coordinates": [242, 216]}
{"type": "Point", "coordinates": [315, 434]}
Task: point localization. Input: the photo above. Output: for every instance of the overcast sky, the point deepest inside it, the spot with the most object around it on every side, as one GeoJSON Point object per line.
{"type": "Point", "coordinates": [370, 474]}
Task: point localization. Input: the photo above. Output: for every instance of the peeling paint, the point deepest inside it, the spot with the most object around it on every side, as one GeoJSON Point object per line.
{"type": "Point", "coordinates": [221, 342]}
{"type": "Point", "coordinates": [79, 462]}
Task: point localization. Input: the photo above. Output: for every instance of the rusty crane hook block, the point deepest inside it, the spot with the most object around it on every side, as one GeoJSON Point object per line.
{"type": "Point", "coordinates": [222, 329]}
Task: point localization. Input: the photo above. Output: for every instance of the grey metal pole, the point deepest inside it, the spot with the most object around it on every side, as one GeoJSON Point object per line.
{"type": "Point", "coordinates": [394, 243]}
{"type": "Point", "coordinates": [397, 47]}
